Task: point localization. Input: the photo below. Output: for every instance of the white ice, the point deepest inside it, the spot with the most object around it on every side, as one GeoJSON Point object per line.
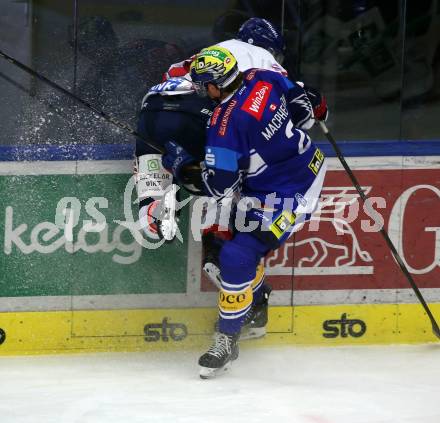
{"type": "Point", "coordinates": [398, 384]}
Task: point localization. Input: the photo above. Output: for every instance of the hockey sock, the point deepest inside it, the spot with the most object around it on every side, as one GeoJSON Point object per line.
{"type": "Point", "coordinates": [257, 284]}
{"type": "Point", "coordinates": [234, 302]}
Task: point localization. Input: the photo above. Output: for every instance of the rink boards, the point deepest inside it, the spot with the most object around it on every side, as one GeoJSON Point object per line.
{"type": "Point", "coordinates": [69, 286]}
{"type": "Point", "coordinates": [144, 330]}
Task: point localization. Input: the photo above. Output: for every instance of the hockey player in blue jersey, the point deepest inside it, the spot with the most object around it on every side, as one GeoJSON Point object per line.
{"type": "Point", "coordinates": [174, 117]}
{"type": "Point", "coordinates": [253, 149]}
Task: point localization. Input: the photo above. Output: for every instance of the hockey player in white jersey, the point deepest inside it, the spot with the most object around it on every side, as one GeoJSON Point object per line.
{"type": "Point", "coordinates": [258, 45]}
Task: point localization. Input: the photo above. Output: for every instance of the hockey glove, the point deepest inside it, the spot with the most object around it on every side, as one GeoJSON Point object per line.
{"type": "Point", "coordinates": [180, 69]}
{"type": "Point", "coordinates": [175, 159]}
{"type": "Point", "coordinates": [319, 103]}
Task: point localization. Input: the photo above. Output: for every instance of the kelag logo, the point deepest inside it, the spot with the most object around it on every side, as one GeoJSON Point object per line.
{"type": "Point", "coordinates": [157, 331]}
{"type": "Point", "coordinates": [344, 327]}
{"type": "Point", "coordinates": [2, 336]}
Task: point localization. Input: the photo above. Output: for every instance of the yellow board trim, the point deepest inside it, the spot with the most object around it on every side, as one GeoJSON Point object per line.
{"type": "Point", "coordinates": [176, 329]}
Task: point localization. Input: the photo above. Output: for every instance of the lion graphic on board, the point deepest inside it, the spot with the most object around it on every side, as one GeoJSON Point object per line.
{"type": "Point", "coordinates": [338, 207]}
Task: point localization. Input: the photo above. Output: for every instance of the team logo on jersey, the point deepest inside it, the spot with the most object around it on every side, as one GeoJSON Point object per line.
{"type": "Point", "coordinates": [256, 102]}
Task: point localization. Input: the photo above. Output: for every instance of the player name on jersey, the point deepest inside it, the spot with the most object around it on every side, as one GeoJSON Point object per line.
{"type": "Point", "coordinates": [277, 121]}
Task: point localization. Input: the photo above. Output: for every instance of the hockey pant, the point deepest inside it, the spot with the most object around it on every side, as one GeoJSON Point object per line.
{"type": "Point", "coordinates": [152, 179]}
{"type": "Point", "coordinates": [242, 270]}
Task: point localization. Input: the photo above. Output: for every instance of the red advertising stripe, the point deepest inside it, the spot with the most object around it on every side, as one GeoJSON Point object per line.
{"type": "Point", "coordinates": [338, 250]}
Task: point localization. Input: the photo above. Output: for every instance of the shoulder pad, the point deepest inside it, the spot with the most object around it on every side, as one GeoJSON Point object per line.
{"type": "Point", "coordinates": [257, 73]}
{"type": "Point", "coordinates": [249, 75]}
{"type": "Point", "coordinates": [172, 86]}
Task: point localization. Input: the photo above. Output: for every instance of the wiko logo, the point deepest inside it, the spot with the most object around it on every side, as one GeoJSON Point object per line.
{"type": "Point", "coordinates": [344, 327]}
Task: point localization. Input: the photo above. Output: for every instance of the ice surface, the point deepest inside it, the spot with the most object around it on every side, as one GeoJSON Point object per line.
{"type": "Point", "coordinates": [398, 384]}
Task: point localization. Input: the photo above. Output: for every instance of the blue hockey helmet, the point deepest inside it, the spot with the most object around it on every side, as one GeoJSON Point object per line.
{"type": "Point", "coordinates": [262, 33]}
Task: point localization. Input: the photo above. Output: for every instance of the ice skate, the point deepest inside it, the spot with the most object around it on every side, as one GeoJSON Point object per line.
{"type": "Point", "coordinates": [255, 320]}
{"type": "Point", "coordinates": [167, 222]}
{"type": "Point", "coordinates": [220, 355]}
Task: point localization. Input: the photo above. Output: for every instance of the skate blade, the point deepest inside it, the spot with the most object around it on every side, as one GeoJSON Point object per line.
{"type": "Point", "coordinates": [213, 273]}
{"type": "Point", "coordinates": [252, 333]}
{"type": "Point", "coordinates": [168, 229]}
{"type": "Point", "coordinates": [208, 373]}
{"type": "Point", "coordinates": [168, 223]}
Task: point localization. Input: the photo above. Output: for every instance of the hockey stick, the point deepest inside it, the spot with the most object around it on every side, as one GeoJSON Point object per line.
{"type": "Point", "coordinates": [403, 268]}
{"type": "Point", "coordinates": [86, 104]}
